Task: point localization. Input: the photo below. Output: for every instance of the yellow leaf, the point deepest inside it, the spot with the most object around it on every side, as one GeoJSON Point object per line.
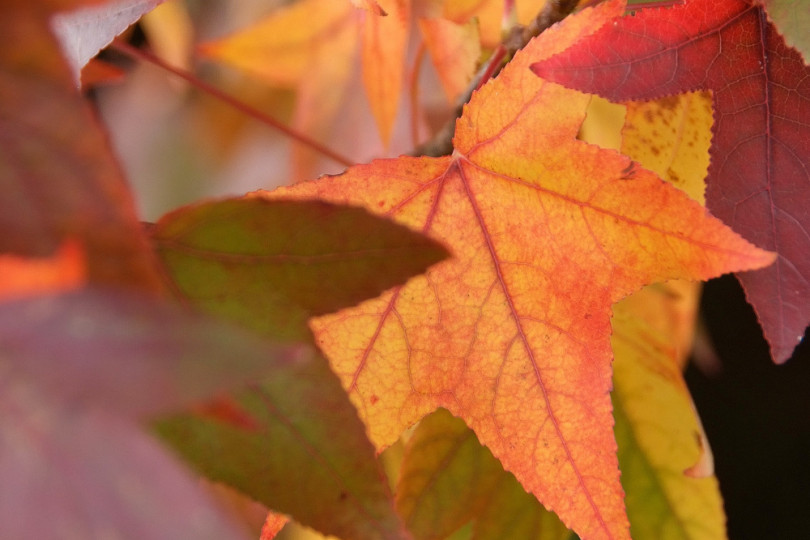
{"type": "Point", "coordinates": [671, 136]}
{"type": "Point", "coordinates": [659, 437]}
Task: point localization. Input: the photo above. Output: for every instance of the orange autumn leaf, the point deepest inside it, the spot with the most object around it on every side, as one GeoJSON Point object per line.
{"type": "Point", "coordinates": [488, 12]}
{"type": "Point", "coordinates": [671, 137]}
{"type": "Point", "coordinates": [454, 49]}
{"type": "Point", "coordinates": [65, 270]}
{"type": "Point", "coordinates": [513, 333]}
{"type": "Point", "coordinates": [383, 50]}
{"type": "Point", "coordinates": [664, 453]}
{"type": "Point", "coordinates": [273, 525]}
{"type": "Point", "coordinates": [311, 45]}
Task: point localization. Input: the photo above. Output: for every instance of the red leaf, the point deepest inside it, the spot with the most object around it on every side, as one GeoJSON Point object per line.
{"type": "Point", "coordinates": [759, 178]}
{"type": "Point", "coordinates": [85, 473]}
{"type": "Point", "coordinates": [135, 356]}
{"type": "Point", "coordinates": [57, 174]}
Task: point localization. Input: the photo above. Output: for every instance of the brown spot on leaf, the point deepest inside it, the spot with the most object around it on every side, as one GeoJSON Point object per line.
{"type": "Point", "coordinates": [670, 102]}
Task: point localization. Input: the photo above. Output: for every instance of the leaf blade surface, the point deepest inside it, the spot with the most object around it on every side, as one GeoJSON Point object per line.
{"type": "Point", "coordinates": [504, 334]}
{"type": "Point", "coordinates": [270, 265]}
{"type": "Point", "coordinates": [135, 356]}
{"type": "Point", "coordinates": [299, 448]}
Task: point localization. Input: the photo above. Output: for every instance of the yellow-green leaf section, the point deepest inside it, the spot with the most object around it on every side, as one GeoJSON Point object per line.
{"type": "Point", "coordinates": [448, 479]}
{"type": "Point", "coordinates": [658, 437]}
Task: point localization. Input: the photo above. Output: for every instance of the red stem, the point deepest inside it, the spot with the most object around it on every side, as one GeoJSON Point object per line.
{"type": "Point", "coordinates": [233, 102]}
{"type": "Point", "coordinates": [494, 63]}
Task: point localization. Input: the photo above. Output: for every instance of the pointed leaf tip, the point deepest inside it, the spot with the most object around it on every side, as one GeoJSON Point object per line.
{"type": "Point", "coordinates": [279, 262]}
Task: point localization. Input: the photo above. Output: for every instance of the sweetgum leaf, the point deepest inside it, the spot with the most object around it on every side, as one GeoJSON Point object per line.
{"type": "Point", "coordinates": [300, 449]}
{"type": "Point", "coordinates": [513, 333]}
{"type": "Point", "coordinates": [57, 175]}
{"type": "Point", "coordinates": [132, 355]}
{"type": "Point", "coordinates": [84, 472]}
{"type": "Point", "coordinates": [270, 265]}
{"type": "Point", "coordinates": [759, 177]}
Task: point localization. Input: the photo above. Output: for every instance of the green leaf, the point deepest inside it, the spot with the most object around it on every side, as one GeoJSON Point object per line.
{"type": "Point", "coordinates": [299, 448]}
{"type": "Point", "coordinates": [659, 438]}
{"type": "Point", "coordinates": [271, 265]}
{"type": "Point", "coordinates": [449, 479]}
{"type": "Point", "coordinates": [792, 19]}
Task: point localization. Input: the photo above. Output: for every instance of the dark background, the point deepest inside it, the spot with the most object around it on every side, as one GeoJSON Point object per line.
{"type": "Point", "coordinates": [757, 417]}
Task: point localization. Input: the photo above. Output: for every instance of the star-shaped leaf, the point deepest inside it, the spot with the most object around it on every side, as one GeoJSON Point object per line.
{"type": "Point", "coordinates": [513, 333]}
{"type": "Point", "coordinates": [759, 177]}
